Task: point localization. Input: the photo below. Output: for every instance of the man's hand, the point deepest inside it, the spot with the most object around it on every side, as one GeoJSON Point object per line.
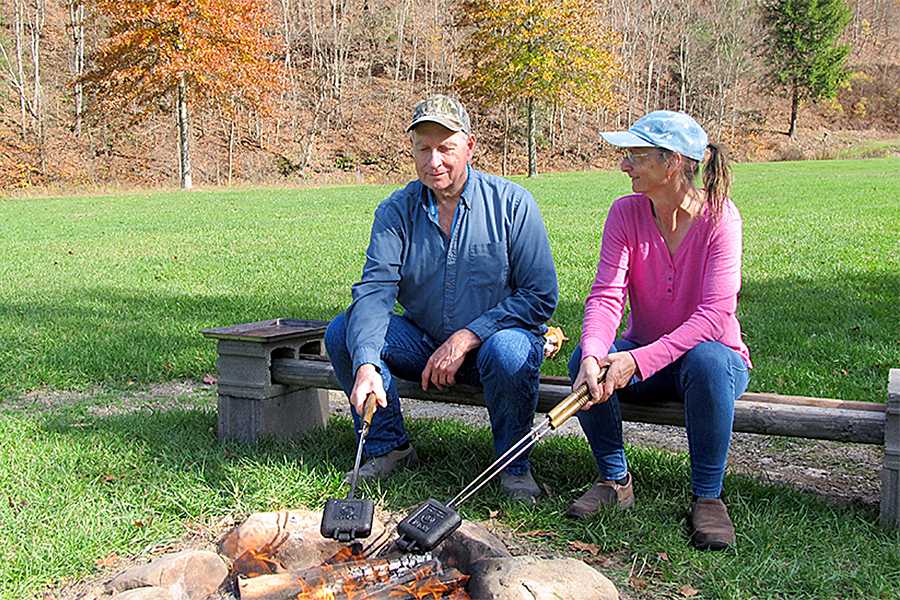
{"type": "Point", "coordinates": [448, 358]}
{"type": "Point", "coordinates": [622, 368]}
{"type": "Point", "coordinates": [368, 380]}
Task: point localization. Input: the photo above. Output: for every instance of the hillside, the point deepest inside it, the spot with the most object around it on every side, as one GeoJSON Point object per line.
{"type": "Point", "coordinates": [353, 69]}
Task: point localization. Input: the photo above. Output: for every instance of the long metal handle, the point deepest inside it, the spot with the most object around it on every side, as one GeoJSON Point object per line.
{"type": "Point", "coordinates": [530, 439]}
{"type": "Point", "coordinates": [368, 411]}
{"type": "Point", "coordinates": [557, 415]}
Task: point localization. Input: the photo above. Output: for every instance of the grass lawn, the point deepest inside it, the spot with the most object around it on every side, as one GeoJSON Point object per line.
{"type": "Point", "coordinates": [111, 291]}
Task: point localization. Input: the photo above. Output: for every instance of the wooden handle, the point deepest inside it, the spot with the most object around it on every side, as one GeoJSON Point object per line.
{"type": "Point", "coordinates": [572, 403]}
{"type": "Point", "coordinates": [369, 408]}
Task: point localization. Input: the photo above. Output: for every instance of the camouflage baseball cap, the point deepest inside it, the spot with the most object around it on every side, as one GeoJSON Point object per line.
{"type": "Point", "coordinates": [442, 110]}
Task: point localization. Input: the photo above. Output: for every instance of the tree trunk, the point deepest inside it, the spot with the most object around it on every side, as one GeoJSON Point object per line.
{"type": "Point", "coordinates": [230, 150]}
{"type": "Point", "coordinates": [505, 164]}
{"type": "Point", "coordinates": [184, 135]}
{"type": "Point", "coordinates": [400, 27]}
{"type": "Point", "coordinates": [795, 102]}
{"type": "Point", "coordinates": [76, 17]}
{"type": "Point", "coordinates": [532, 150]}
{"type": "Point", "coordinates": [37, 101]}
{"type": "Point", "coordinates": [19, 26]}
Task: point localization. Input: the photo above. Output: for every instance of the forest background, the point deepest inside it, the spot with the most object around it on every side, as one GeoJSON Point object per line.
{"type": "Point", "coordinates": [88, 103]}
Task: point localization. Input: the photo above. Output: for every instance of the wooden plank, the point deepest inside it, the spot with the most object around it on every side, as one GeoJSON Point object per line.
{"type": "Point", "coordinates": [773, 398]}
{"type": "Point", "coordinates": [890, 473]}
{"type": "Point", "coordinates": [271, 330]}
{"type": "Point", "coordinates": [751, 416]}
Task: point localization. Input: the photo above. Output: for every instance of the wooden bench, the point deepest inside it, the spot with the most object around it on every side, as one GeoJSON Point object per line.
{"type": "Point", "coordinates": [274, 377]}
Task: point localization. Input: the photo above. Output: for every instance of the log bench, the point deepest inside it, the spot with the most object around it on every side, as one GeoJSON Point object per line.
{"type": "Point", "coordinates": [274, 379]}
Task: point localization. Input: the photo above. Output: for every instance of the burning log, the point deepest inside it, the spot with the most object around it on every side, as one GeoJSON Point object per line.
{"type": "Point", "coordinates": [407, 577]}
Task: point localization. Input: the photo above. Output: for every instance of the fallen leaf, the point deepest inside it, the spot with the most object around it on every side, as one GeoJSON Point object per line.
{"type": "Point", "coordinates": [540, 533]}
{"type": "Point", "coordinates": [662, 556]}
{"type": "Point", "coordinates": [592, 549]}
{"type": "Point", "coordinates": [109, 478]}
{"type": "Point", "coordinates": [108, 561]}
{"type": "Point", "coordinates": [210, 379]}
{"type": "Point", "coordinates": [139, 524]}
{"type": "Point", "coordinates": [687, 591]}
{"type": "Point", "coordinates": [637, 583]}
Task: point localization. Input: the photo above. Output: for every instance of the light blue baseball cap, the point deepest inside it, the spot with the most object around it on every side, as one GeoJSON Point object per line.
{"type": "Point", "coordinates": [667, 129]}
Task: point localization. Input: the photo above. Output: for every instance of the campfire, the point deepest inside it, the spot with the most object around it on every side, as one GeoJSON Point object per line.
{"type": "Point", "coordinates": [350, 574]}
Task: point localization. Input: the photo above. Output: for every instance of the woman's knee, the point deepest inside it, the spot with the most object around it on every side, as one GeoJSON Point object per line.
{"type": "Point", "coordinates": [707, 358]}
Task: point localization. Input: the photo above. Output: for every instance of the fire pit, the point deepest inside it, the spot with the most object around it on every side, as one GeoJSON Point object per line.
{"type": "Point", "coordinates": [274, 556]}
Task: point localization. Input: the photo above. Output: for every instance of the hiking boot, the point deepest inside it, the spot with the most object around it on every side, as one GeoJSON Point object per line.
{"type": "Point", "coordinates": [522, 488]}
{"type": "Point", "coordinates": [711, 528]}
{"type": "Point", "coordinates": [379, 467]}
{"type": "Point", "coordinates": [603, 493]}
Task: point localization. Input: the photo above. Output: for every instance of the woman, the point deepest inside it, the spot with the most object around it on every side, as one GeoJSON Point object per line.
{"type": "Point", "coordinates": [674, 252]}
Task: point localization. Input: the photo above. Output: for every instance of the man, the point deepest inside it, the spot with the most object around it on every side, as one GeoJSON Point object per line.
{"type": "Point", "coordinates": [466, 255]}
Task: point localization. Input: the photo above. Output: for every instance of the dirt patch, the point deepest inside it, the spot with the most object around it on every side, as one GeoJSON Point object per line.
{"type": "Point", "coordinates": [839, 472]}
{"type": "Point", "coordinates": [835, 471]}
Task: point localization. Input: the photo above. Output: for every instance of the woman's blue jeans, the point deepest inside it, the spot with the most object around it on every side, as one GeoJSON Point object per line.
{"type": "Point", "coordinates": [507, 365]}
{"type": "Point", "coordinates": [708, 379]}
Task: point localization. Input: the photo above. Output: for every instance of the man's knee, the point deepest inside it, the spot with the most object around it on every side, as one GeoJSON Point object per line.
{"type": "Point", "coordinates": [336, 335]}
{"type": "Point", "coordinates": [508, 353]}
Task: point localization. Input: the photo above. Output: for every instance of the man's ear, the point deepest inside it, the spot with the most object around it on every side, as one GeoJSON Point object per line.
{"type": "Point", "coordinates": [470, 143]}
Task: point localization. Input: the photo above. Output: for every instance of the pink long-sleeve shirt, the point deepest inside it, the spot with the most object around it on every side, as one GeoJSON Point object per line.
{"type": "Point", "coordinates": [676, 301]}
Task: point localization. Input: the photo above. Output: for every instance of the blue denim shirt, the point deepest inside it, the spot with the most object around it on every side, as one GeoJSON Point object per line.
{"type": "Point", "coordinates": [494, 272]}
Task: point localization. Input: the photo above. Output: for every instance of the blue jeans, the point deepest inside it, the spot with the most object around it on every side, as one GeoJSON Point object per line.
{"type": "Point", "coordinates": [708, 379]}
{"type": "Point", "coordinates": [507, 365]}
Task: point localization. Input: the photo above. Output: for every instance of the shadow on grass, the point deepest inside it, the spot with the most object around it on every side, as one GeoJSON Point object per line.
{"type": "Point", "coordinates": [832, 336]}
{"type": "Point", "coordinates": [105, 336]}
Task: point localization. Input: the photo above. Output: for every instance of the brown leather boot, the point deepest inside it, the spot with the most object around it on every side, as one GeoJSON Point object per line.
{"type": "Point", "coordinates": [602, 493]}
{"type": "Point", "coordinates": [711, 527]}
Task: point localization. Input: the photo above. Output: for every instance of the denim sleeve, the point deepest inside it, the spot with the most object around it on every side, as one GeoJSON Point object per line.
{"type": "Point", "coordinates": [375, 294]}
{"type": "Point", "coordinates": [532, 275]}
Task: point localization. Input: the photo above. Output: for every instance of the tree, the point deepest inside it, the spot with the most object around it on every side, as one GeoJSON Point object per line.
{"type": "Point", "coordinates": [805, 50]}
{"type": "Point", "coordinates": [551, 51]}
{"type": "Point", "coordinates": [214, 52]}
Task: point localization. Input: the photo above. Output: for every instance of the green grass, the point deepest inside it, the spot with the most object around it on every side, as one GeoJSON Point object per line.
{"type": "Point", "coordinates": [111, 289]}
{"type": "Point", "coordinates": [108, 294]}
{"type": "Point", "coordinates": [78, 487]}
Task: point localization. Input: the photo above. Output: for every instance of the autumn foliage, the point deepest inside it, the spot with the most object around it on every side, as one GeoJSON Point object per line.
{"type": "Point", "coordinates": [555, 51]}
{"type": "Point", "coordinates": [223, 48]}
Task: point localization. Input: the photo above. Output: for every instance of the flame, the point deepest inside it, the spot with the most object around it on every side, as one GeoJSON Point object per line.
{"type": "Point", "coordinates": [349, 576]}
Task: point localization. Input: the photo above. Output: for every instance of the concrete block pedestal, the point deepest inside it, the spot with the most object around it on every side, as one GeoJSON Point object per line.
{"type": "Point", "coordinates": [251, 405]}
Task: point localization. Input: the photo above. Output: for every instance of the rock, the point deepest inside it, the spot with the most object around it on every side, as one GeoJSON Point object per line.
{"type": "Point", "coordinates": [531, 578]}
{"type": "Point", "coordinates": [147, 593]}
{"type": "Point", "coordinates": [190, 574]}
{"type": "Point", "coordinates": [293, 535]}
{"type": "Point", "coordinates": [469, 544]}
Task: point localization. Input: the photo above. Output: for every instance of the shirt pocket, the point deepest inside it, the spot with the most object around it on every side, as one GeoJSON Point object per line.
{"type": "Point", "coordinates": [486, 266]}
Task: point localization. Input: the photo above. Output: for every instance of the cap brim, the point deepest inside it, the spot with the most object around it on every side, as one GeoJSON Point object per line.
{"type": "Point", "coordinates": [625, 139]}
{"type": "Point", "coordinates": [442, 122]}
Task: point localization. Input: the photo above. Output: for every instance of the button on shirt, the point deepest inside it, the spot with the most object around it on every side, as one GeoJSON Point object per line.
{"type": "Point", "coordinates": [494, 272]}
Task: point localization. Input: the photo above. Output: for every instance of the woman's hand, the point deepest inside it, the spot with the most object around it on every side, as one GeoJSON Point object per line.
{"type": "Point", "coordinates": [622, 368]}
{"type": "Point", "coordinates": [589, 373]}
